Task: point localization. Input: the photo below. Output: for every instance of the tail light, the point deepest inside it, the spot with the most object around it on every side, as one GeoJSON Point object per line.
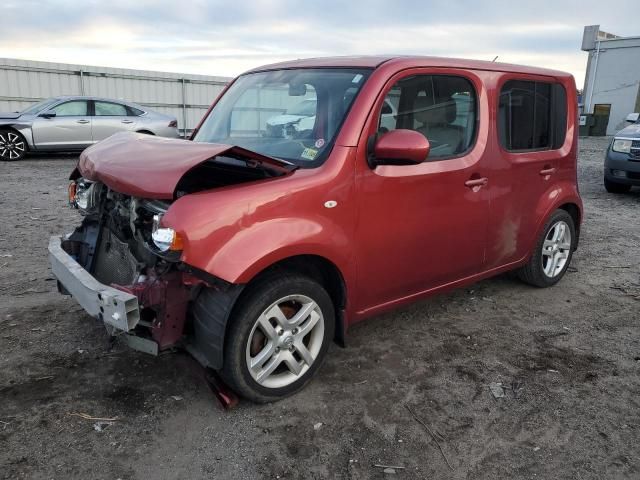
{"type": "Point", "coordinates": [173, 124]}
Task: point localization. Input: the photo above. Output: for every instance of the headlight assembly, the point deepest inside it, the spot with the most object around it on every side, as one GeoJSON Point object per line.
{"type": "Point", "coordinates": [165, 239]}
{"type": "Point", "coordinates": [81, 195]}
{"type": "Point", "coordinates": [621, 146]}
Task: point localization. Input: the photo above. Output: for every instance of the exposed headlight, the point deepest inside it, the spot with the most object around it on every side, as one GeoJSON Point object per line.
{"type": "Point", "coordinates": [81, 195]}
{"type": "Point", "coordinates": [165, 239]}
{"type": "Point", "coordinates": [622, 146]}
{"type": "Point", "coordinates": [84, 195]}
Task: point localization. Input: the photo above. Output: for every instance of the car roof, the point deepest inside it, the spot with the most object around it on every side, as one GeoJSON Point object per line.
{"type": "Point", "coordinates": [402, 62]}
{"type": "Point", "coordinates": [91, 97]}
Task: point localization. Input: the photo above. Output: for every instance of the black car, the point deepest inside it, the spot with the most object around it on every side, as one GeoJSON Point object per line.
{"type": "Point", "coordinates": [622, 161]}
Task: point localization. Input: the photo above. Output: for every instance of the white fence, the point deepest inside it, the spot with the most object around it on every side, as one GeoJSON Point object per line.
{"type": "Point", "coordinates": [186, 96]}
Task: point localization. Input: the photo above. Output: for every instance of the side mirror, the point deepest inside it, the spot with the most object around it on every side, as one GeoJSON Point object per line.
{"type": "Point", "coordinates": [48, 114]}
{"type": "Point", "coordinates": [399, 147]}
{"type": "Point", "coordinates": [633, 117]}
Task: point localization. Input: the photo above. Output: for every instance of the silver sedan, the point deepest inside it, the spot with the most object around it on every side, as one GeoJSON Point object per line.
{"type": "Point", "coordinates": [74, 123]}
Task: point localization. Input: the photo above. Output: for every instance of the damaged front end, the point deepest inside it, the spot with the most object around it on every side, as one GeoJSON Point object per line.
{"type": "Point", "coordinates": [123, 266]}
{"type": "Point", "coordinates": [138, 289]}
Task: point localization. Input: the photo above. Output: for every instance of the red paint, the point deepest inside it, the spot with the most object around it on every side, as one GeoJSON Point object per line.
{"type": "Point", "coordinates": [150, 167]}
{"type": "Point", "coordinates": [167, 297]}
{"type": "Point", "coordinates": [398, 232]}
{"type": "Point", "coordinates": [406, 146]}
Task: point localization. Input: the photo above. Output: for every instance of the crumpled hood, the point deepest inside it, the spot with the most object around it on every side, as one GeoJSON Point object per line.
{"type": "Point", "coordinates": [632, 131]}
{"type": "Point", "coordinates": [150, 167]}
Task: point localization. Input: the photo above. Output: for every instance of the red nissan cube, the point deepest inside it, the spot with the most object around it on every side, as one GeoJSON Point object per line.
{"type": "Point", "coordinates": [315, 194]}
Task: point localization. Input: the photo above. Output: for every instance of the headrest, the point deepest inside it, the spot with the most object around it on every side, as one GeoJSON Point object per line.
{"type": "Point", "coordinates": [444, 112]}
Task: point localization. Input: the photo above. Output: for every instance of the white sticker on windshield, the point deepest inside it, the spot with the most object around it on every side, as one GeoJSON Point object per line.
{"type": "Point", "coordinates": [357, 78]}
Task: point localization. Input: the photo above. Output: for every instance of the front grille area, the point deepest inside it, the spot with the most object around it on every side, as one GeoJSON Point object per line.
{"type": "Point", "coordinates": [635, 151]}
{"type": "Point", "coordinates": [114, 263]}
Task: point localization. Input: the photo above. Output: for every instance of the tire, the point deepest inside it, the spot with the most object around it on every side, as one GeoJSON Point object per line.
{"type": "Point", "coordinates": [13, 146]}
{"type": "Point", "coordinates": [539, 271]}
{"type": "Point", "coordinates": [614, 187]}
{"type": "Point", "coordinates": [276, 347]}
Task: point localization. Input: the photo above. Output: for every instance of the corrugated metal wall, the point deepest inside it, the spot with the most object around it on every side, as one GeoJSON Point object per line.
{"type": "Point", "coordinates": [186, 96]}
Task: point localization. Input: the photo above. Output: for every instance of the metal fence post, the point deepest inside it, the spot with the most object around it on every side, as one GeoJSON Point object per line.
{"type": "Point", "coordinates": [81, 82]}
{"type": "Point", "coordinates": [184, 110]}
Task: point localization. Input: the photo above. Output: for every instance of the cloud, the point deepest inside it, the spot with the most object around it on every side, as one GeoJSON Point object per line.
{"type": "Point", "coordinates": [225, 38]}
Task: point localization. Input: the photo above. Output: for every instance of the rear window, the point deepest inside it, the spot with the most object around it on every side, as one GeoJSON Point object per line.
{"type": "Point", "coordinates": [532, 115]}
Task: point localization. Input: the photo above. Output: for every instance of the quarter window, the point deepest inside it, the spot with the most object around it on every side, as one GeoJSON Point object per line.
{"type": "Point", "coordinates": [134, 112]}
{"type": "Point", "coordinates": [532, 115]}
{"type": "Point", "coordinates": [76, 108]}
{"type": "Point", "coordinates": [108, 109]}
{"type": "Point", "coordinates": [441, 107]}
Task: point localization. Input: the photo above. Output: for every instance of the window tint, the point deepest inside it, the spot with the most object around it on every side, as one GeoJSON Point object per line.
{"type": "Point", "coordinates": [442, 108]}
{"type": "Point", "coordinates": [70, 109]}
{"type": "Point", "coordinates": [532, 115]}
{"type": "Point", "coordinates": [108, 109]}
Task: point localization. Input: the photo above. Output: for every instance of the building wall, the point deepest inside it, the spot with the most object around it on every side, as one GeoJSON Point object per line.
{"type": "Point", "coordinates": [613, 76]}
{"type": "Point", "coordinates": [186, 96]}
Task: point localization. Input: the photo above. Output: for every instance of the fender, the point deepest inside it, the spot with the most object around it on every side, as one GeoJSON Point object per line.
{"type": "Point", "coordinates": [266, 243]}
{"type": "Point", "coordinates": [559, 194]}
{"type": "Point", "coordinates": [24, 130]}
{"type": "Point", "coordinates": [235, 232]}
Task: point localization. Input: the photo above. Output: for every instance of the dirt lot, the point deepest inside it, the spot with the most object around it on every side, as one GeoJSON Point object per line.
{"type": "Point", "coordinates": [568, 356]}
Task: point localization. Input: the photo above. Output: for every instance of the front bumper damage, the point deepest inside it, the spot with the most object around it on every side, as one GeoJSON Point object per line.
{"type": "Point", "coordinates": [120, 308]}
{"type": "Point", "coordinates": [155, 312]}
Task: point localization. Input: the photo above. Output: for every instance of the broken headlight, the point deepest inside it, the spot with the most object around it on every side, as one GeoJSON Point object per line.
{"type": "Point", "coordinates": [81, 195]}
{"type": "Point", "coordinates": [165, 239]}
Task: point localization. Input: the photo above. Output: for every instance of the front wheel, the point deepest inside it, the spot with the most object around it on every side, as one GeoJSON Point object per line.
{"type": "Point", "coordinates": [552, 253]}
{"type": "Point", "coordinates": [277, 337]}
{"type": "Point", "coordinates": [12, 146]}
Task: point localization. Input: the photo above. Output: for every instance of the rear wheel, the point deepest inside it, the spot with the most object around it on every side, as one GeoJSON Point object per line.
{"type": "Point", "coordinates": [277, 337]}
{"type": "Point", "coordinates": [614, 187]}
{"type": "Point", "coordinates": [553, 252]}
{"type": "Point", "coordinates": [12, 146]}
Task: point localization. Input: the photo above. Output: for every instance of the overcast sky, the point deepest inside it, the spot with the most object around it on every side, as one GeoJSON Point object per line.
{"type": "Point", "coordinates": [226, 38]}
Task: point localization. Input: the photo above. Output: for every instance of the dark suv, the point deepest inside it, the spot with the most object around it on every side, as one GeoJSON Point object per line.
{"type": "Point", "coordinates": [622, 161]}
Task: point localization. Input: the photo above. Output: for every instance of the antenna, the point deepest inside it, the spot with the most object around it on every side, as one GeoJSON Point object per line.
{"type": "Point", "coordinates": [495, 58]}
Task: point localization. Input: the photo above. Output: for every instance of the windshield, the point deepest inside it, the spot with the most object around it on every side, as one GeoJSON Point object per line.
{"type": "Point", "coordinates": [293, 115]}
{"type": "Point", "coordinates": [305, 109]}
{"type": "Point", "coordinates": [38, 106]}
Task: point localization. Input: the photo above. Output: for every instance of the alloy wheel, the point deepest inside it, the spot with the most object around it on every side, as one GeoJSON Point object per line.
{"type": "Point", "coordinates": [12, 146]}
{"type": "Point", "coordinates": [285, 341]}
{"type": "Point", "coordinates": [555, 249]}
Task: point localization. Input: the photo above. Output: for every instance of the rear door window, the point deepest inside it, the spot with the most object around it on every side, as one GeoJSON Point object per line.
{"type": "Point", "coordinates": [109, 109]}
{"type": "Point", "coordinates": [532, 115]}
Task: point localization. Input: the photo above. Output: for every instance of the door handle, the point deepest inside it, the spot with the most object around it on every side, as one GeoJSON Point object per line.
{"type": "Point", "coordinates": [127, 121]}
{"type": "Point", "coordinates": [547, 171]}
{"type": "Point", "coordinates": [82, 121]}
{"type": "Point", "coordinates": [476, 182]}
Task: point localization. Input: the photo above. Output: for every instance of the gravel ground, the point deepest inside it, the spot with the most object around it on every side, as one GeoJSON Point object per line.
{"type": "Point", "coordinates": [568, 357]}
